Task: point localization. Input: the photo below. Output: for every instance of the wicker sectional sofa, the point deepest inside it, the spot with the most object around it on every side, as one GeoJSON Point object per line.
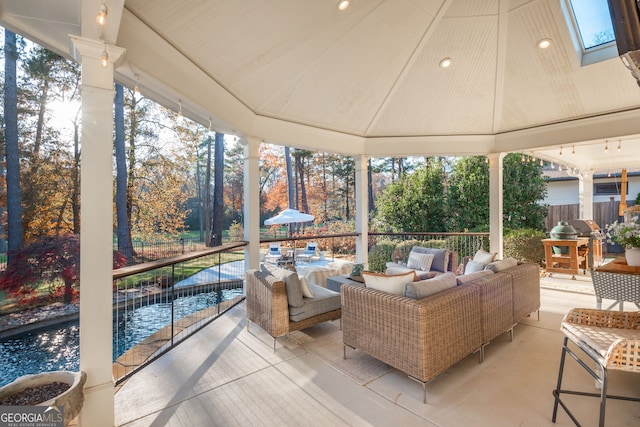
{"type": "Point", "coordinates": [424, 337]}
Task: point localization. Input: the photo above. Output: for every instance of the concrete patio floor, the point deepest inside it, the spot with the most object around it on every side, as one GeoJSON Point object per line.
{"type": "Point", "coordinates": [225, 376]}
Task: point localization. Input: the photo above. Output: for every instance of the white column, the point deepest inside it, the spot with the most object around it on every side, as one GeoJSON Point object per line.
{"type": "Point", "coordinates": [496, 203]}
{"type": "Point", "coordinates": [251, 202]}
{"type": "Point", "coordinates": [585, 192]}
{"type": "Point", "coordinates": [96, 231]}
{"type": "Point", "coordinates": [362, 210]}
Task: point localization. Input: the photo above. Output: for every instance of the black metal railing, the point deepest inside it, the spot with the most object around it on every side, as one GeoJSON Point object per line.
{"type": "Point", "coordinates": [144, 251]}
{"type": "Point", "coordinates": [343, 245]}
{"type": "Point", "coordinates": [465, 244]}
{"type": "Point", "coordinates": [160, 303]}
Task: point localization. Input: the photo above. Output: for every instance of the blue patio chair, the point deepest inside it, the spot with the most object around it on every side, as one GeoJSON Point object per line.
{"type": "Point", "coordinates": [309, 252]}
{"type": "Point", "coordinates": [274, 254]}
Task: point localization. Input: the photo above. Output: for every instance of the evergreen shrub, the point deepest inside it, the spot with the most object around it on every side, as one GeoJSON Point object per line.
{"type": "Point", "coordinates": [525, 244]}
{"type": "Point", "coordinates": [380, 254]}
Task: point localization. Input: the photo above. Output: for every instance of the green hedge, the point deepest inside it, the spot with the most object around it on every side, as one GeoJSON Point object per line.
{"type": "Point", "coordinates": [525, 245]}
{"type": "Point", "coordinates": [380, 254]}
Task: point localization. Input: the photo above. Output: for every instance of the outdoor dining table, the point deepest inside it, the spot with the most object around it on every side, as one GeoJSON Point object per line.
{"type": "Point", "coordinates": [617, 281]}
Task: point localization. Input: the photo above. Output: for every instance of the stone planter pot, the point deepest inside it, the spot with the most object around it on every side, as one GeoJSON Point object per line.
{"type": "Point", "coordinates": [71, 400]}
{"type": "Point", "coordinates": [633, 256]}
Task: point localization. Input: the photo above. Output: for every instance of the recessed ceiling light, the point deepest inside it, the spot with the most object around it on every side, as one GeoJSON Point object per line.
{"type": "Point", "coordinates": [544, 43]}
{"type": "Point", "coordinates": [445, 62]}
{"type": "Point", "coordinates": [343, 4]}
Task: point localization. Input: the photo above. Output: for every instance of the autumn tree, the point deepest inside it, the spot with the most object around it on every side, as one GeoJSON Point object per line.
{"type": "Point", "coordinates": [12, 155]}
{"type": "Point", "coordinates": [50, 170]}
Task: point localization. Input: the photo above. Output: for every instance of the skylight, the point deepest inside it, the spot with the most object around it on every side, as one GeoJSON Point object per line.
{"type": "Point", "coordinates": [593, 21]}
{"type": "Point", "coordinates": [591, 30]}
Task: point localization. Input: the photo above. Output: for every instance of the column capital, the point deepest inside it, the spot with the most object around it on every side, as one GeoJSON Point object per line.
{"type": "Point", "coordinates": [251, 146]}
{"type": "Point", "coordinates": [361, 161]}
{"type": "Point", "coordinates": [90, 48]}
{"type": "Point", "coordinates": [495, 158]}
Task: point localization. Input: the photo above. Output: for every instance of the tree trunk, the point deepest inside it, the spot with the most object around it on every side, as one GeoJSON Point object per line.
{"type": "Point", "coordinates": [207, 197]}
{"type": "Point", "coordinates": [14, 195]}
{"type": "Point", "coordinates": [303, 187]}
{"type": "Point", "coordinates": [218, 195]}
{"type": "Point", "coordinates": [131, 163]}
{"type": "Point", "coordinates": [325, 194]}
{"type": "Point", "coordinates": [199, 192]}
{"type": "Point", "coordinates": [287, 157]}
{"type": "Point", "coordinates": [125, 245]}
{"type": "Point", "coordinates": [75, 174]}
{"type": "Point", "coordinates": [370, 187]}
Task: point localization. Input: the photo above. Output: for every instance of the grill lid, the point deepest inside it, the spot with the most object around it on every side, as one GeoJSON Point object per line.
{"type": "Point", "coordinates": [584, 227]}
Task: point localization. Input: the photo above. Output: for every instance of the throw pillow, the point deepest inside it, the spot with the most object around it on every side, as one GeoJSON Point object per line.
{"type": "Point", "coordinates": [291, 281]}
{"type": "Point", "coordinates": [484, 257]}
{"type": "Point", "coordinates": [420, 261]}
{"type": "Point", "coordinates": [393, 284]}
{"type": "Point", "coordinates": [440, 257]}
{"type": "Point", "coordinates": [500, 265]}
{"type": "Point", "coordinates": [305, 288]}
{"type": "Point", "coordinates": [425, 288]}
{"type": "Point", "coordinates": [473, 267]}
{"type": "Point", "coordinates": [466, 278]}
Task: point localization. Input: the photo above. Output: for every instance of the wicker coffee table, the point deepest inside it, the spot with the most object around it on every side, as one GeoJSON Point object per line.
{"type": "Point", "coordinates": [617, 281]}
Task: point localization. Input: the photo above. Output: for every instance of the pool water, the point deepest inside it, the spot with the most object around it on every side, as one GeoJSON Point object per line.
{"type": "Point", "coordinates": [58, 347]}
{"type": "Point", "coordinates": [49, 350]}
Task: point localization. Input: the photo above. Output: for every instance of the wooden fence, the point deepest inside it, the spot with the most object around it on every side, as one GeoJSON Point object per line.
{"type": "Point", "coordinates": [603, 213]}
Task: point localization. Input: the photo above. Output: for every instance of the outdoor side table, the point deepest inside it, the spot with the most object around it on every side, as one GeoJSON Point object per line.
{"type": "Point", "coordinates": [617, 281]}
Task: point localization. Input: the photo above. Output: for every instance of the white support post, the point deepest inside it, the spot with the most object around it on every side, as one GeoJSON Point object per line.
{"type": "Point", "coordinates": [96, 231]}
{"type": "Point", "coordinates": [251, 202]}
{"type": "Point", "coordinates": [585, 192]}
{"type": "Point", "coordinates": [362, 210]}
{"type": "Point", "coordinates": [496, 203]}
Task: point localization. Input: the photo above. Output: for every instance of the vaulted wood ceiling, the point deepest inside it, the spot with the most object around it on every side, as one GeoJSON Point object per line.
{"type": "Point", "coordinates": [366, 80]}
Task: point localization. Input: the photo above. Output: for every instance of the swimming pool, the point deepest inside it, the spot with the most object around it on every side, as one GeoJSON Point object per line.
{"type": "Point", "coordinates": [58, 347]}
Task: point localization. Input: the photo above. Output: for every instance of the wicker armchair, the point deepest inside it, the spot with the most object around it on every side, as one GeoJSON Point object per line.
{"type": "Point", "coordinates": [268, 307]}
{"type": "Point", "coordinates": [611, 339]}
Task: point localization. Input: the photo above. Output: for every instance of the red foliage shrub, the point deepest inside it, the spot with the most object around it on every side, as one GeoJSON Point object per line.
{"type": "Point", "coordinates": [46, 259]}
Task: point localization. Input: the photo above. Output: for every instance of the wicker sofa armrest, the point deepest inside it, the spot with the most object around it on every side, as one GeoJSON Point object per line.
{"type": "Point", "coordinates": [422, 338]}
{"type": "Point", "coordinates": [266, 302]}
{"type": "Point", "coordinates": [525, 280]}
{"type": "Point", "coordinates": [604, 318]}
{"type": "Point", "coordinates": [453, 261]}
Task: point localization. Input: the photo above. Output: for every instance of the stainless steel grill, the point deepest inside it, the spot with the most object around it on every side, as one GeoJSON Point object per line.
{"type": "Point", "coordinates": [588, 228]}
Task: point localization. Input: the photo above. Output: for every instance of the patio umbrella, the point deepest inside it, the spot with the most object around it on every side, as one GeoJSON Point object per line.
{"type": "Point", "coordinates": [289, 216]}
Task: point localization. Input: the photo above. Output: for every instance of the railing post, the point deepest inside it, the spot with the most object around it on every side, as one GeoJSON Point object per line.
{"type": "Point", "coordinates": [333, 249]}
{"type": "Point", "coordinates": [219, 291]}
{"type": "Point", "coordinates": [173, 291]}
